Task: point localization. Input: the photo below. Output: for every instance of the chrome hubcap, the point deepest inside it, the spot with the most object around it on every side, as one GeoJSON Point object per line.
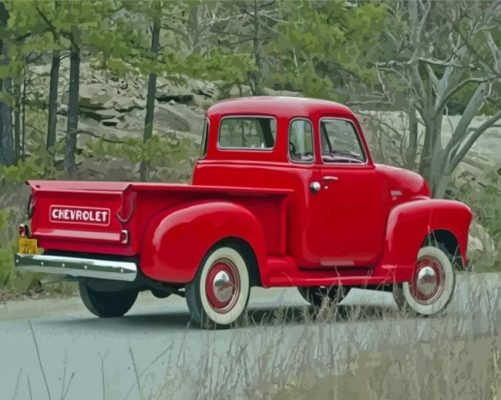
{"type": "Point", "coordinates": [427, 281]}
{"type": "Point", "coordinates": [222, 286]}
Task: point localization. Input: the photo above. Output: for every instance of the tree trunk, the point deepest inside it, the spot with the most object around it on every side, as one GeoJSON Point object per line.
{"type": "Point", "coordinates": [441, 181]}
{"type": "Point", "coordinates": [6, 147]}
{"type": "Point", "coordinates": [150, 99]}
{"type": "Point", "coordinates": [73, 108]}
{"type": "Point", "coordinates": [7, 155]}
{"type": "Point", "coordinates": [425, 158]}
{"type": "Point", "coordinates": [53, 86]}
{"type": "Point", "coordinates": [432, 160]}
{"type": "Point", "coordinates": [23, 110]}
{"type": "Point", "coordinates": [17, 121]}
{"type": "Point", "coordinates": [413, 136]}
{"type": "Point", "coordinates": [256, 87]}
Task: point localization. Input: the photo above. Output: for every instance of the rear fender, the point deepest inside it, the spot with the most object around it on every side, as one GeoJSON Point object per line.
{"type": "Point", "coordinates": [409, 225]}
{"type": "Point", "coordinates": [175, 241]}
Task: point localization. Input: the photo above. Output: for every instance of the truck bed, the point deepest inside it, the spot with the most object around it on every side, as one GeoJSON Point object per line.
{"type": "Point", "coordinates": [91, 217]}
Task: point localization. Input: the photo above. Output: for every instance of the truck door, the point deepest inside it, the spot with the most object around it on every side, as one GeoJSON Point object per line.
{"type": "Point", "coordinates": [350, 208]}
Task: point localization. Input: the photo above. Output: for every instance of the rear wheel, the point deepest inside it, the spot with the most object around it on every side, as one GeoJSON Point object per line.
{"type": "Point", "coordinates": [219, 294]}
{"type": "Point", "coordinates": [432, 286]}
{"type": "Point", "coordinates": [316, 294]}
{"type": "Point", "coordinates": [107, 304]}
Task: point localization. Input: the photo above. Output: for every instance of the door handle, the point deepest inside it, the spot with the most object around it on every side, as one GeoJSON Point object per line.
{"type": "Point", "coordinates": [315, 187]}
{"type": "Point", "coordinates": [330, 178]}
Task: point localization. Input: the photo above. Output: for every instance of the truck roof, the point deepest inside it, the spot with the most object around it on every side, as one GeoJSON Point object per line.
{"type": "Point", "coordinates": [284, 106]}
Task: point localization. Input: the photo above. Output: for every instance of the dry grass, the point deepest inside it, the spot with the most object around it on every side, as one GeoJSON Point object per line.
{"type": "Point", "coordinates": [458, 369]}
{"type": "Point", "coordinates": [372, 354]}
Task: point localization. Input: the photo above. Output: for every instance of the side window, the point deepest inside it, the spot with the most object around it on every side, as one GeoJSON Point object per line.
{"type": "Point", "coordinates": [205, 136]}
{"type": "Point", "coordinates": [340, 142]}
{"type": "Point", "coordinates": [258, 133]}
{"type": "Point", "coordinates": [301, 141]}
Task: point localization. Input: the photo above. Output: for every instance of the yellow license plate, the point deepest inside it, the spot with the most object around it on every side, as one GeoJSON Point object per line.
{"type": "Point", "coordinates": [27, 246]}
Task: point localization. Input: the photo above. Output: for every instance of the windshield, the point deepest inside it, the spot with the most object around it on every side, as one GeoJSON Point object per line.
{"type": "Point", "coordinates": [340, 142]}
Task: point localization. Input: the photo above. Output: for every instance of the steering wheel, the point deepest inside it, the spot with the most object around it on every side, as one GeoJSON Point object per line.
{"type": "Point", "coordinates": [292, 148]}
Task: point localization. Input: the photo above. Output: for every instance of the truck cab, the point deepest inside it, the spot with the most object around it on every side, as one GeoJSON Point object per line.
{"type": "Point", "coordinates": [317, 149]}
{"type": "Point", "coordinates": [284, 193]}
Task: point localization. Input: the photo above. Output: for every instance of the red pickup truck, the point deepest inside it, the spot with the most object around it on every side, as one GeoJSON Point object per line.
{"type": "Point", "coordinates": [284, 193]}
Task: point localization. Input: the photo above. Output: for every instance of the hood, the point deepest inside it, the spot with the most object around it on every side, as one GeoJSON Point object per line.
{"type": "Point", "coordinates": [409, 183]}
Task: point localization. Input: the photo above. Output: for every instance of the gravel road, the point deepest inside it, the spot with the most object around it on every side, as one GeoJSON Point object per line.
{"type": "Point", "coordinates": [96, 358]}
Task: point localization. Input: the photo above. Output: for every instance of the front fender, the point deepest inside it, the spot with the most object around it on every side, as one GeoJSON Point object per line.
{"type": "Point", "coordinates": [409, 224]}
{"type": "Point", "coordinates": [176, 241]}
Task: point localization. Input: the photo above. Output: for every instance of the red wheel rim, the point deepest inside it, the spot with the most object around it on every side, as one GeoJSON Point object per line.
{"type": "Point", "coordinates": [428, 282]}
{"type": "Point", "coordinates": [222, 285]}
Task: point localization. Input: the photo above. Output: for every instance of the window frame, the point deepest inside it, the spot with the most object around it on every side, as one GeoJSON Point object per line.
{"type": "Point", "coordinates": [251, 149]}
{"type": "Point", "coordinates": [204, 144]}
{"type": "Point", "coordinates": [312, 141]}
{"type": "Point", "coordinates": [359, 141]}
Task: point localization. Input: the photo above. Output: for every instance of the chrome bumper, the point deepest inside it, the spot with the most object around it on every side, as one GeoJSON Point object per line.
{"type": "Point", "coordinates": [77, 267]}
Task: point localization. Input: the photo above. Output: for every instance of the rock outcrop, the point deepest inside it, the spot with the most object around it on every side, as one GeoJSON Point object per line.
{"type": "Point", "coordinates": [120, 103]}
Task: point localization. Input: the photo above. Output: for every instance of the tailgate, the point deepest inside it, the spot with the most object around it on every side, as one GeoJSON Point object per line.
{"type": "Point", "coordinates": [80, 216]}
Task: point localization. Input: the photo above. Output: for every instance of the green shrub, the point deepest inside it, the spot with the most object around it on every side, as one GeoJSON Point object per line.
{"type": "Point", "coordinates": [36, 166]}
{"type": "Point", "coordinates": [7, 238]}
{"type": "Point", "coordinates": [483, 195]}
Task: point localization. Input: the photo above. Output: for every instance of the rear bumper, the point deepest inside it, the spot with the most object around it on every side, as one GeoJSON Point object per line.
{"type": "Point", "coordinates": [77, 267]}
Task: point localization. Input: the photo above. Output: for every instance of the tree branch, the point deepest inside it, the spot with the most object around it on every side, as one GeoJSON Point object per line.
{"type": "Point", "coordinates": [473, 138]}
{"type": "Point", "coordinates": [473, 50]}
{"type": "Point", "coordinates": [46, 20]}
{"type": "Point", "coordinates": [433, 78]}
{"type": "Point", "coordinates": [418, 82]}
{"type": "Point", "coordinates": [461, 131]}
{"type": "Point", "coordinates": [495, 51]}
{"type": "Point", "coordinates": [446, 97]}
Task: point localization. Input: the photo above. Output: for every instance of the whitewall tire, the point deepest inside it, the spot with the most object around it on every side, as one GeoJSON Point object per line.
{"type": "Point", "coordinates": [432, 286]}
{"type": "Point", "coordinates": [219, 294]}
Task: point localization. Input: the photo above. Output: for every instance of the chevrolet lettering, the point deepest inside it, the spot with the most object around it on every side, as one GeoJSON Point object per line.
{"type": "Point", "coordinates": [79, 215]}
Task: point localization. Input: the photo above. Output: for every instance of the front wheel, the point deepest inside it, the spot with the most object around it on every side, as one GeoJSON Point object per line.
{"type": "Point", "coordinates": [432, 286]}
{"type": "Point", "coordinates": [107, 304]}
{"type": "Point", "coordinates": [219, 294]}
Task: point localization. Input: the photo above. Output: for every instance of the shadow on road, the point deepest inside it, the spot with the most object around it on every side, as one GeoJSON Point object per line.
{"type": "Point", "coordinates": [256, 316]}
{"type": "Point", "coordinates": [307, 314]}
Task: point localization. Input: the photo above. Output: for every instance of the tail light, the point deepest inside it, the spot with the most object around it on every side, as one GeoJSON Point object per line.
{"type": "Point", "coordinates": [24, 230]}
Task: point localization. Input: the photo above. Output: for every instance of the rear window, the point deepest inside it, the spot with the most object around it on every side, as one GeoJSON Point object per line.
{"type": "Point", "coordinates": [257, 133]}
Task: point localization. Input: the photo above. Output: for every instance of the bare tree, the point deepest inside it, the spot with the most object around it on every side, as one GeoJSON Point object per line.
{"type": "Point", "coordinates": [448, 50]}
